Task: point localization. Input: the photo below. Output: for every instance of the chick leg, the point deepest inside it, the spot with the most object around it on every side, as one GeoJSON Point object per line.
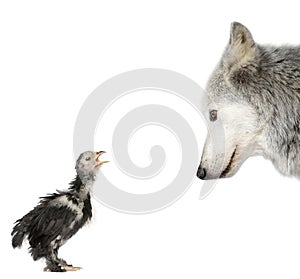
{"type": "Point", "coordinates": [60, 261]}
{"type": "Point", "coordinates": [52, 264]}
{"type": "Point", "coordinates": [64, 264]}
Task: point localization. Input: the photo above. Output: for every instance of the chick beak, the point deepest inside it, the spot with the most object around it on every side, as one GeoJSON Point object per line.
{"type": "Point", "coordinates": [100, 163]}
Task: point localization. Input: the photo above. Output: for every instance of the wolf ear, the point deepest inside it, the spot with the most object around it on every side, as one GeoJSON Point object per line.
{"type": "Point", "coordinates": [241, 48]}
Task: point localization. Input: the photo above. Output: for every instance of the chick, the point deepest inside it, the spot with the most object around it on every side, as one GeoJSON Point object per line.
{"type": "Point", "coordinates": [59, 216]}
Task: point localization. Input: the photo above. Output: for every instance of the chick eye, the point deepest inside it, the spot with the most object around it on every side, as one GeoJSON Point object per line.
{"type": "Point", "coordinates": [213, 115]}
{"type": "Point", "coordinates": [88, 158]}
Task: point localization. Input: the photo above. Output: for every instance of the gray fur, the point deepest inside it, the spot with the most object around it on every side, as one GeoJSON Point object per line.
{"type": "Point", "coordinates": [267, 79]}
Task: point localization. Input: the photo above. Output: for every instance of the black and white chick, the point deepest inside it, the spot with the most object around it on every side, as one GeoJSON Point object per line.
{"type": "Point", "coordinates": [59, 216]}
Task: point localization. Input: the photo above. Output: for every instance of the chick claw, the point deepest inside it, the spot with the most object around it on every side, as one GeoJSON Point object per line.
{"type": "Point", "coordinates": [71, 268]}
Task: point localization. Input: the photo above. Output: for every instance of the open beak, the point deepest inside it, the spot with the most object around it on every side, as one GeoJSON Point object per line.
{"type": "Point", "coordinates": [100, 163]}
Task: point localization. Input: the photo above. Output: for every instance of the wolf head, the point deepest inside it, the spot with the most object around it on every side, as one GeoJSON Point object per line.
{"type": "Point", "coordinates": [253, 107]}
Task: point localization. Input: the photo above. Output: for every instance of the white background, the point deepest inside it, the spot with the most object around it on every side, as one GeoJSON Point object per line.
{"type": "Point", "coordinates": [53, 54]}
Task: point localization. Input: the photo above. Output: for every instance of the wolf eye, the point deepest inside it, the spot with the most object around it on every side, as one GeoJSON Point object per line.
{"type": "Point", "coordinates": [213, 115]}
{"type": "Point", "coordinates": [88, 158]}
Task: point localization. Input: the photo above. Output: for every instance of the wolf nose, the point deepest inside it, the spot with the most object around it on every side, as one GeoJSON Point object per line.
{"type": "Point", "coordinates": [201, 173]}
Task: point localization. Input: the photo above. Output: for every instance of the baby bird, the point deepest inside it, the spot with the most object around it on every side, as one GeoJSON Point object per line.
{"type": "Point", "coordinates": [59, 216]}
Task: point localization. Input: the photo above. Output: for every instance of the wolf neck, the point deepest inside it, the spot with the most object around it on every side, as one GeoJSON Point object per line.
{"type": "Point", "coordinates": [82, 185]}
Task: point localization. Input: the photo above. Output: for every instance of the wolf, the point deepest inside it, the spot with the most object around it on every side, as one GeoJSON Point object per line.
{"type": "Point", "coordinates": [253, 101]}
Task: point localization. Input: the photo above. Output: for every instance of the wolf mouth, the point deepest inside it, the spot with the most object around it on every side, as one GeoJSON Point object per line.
{"type": "Point", "coordinates": [229, 166]}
